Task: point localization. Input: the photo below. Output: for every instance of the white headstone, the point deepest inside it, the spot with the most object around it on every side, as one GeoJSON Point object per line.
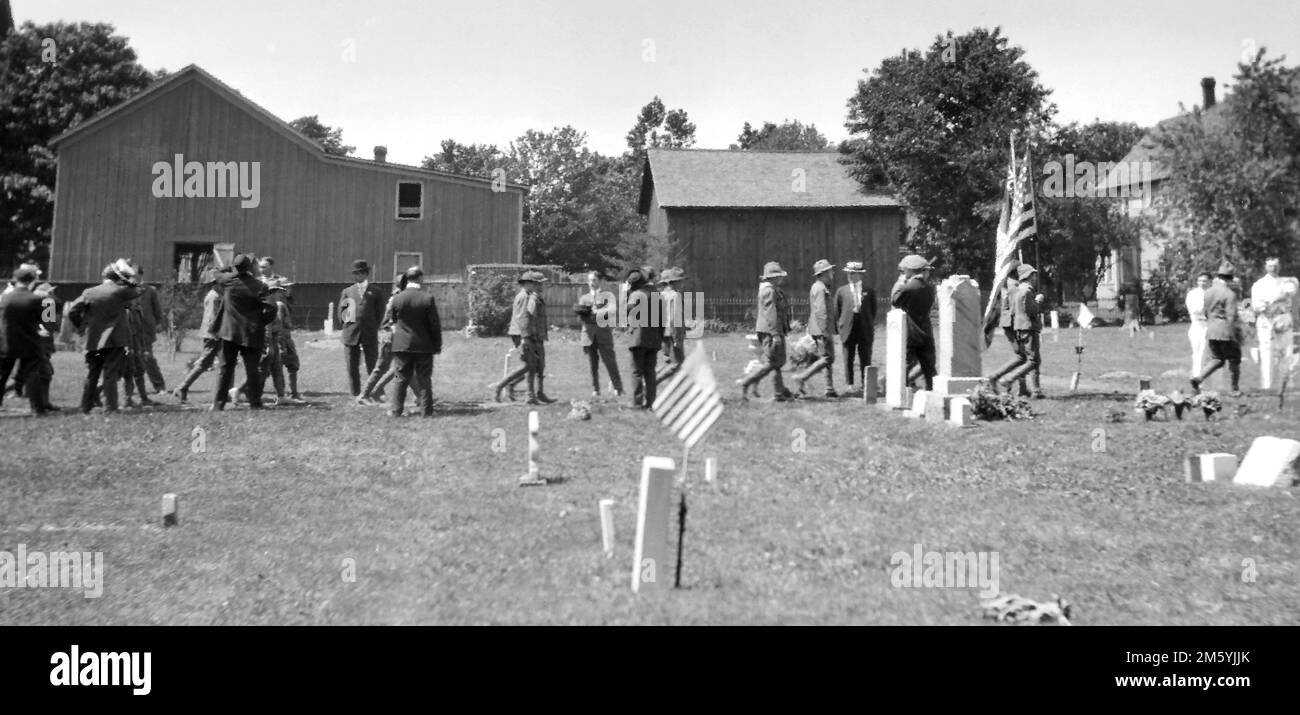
{"type": "Point", "coordinates": [870, 384]}
{"type": "Point", "coordinates": [936, 407]}
{"type": "Point", "coordinates": [651, 562]}
{"type": "Point", "coordinates": [170, 510]}
{"type": "Point", "coordinates": [1211, 467]}
{"type": "Point", "coordinates": [607, 526]}
{"type": "Point", "coordinates": [919, 400]}
{"type": "Point", "coordinates": [959, 412]}
{"type": "Point", "coordinates": [1270, 462]}
{"type": "Point", "coordinates": [961, 333]}
{"type": "Point", "coordinates": [896, 359]}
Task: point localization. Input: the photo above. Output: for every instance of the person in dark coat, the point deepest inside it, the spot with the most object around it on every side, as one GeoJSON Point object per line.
{"type": "Point", "coordinates": [151, 319]}
{"type": "Point", "coordinates": [646, 335]}
{"type": "Point", "coordinates": [417, 337]}
{"type": "Point", "coordinates": [361, 309]}
{"type": "Point", "coordinates": [20, 339]}
{"type": "Point", "coordinates": [241, 327]}
{"type": "Point", "coordinates": [915, 296]}
{"type": "Point", "coordinates": [100, 315]}
{"type": "Point", "coordinates": [855, 318]}
{"type": "Point", "coordinates": [1222, 329]}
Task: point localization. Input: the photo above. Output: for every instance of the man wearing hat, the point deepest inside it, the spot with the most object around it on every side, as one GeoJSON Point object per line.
{"type": "Point", "coordinates": [674, 320]}
{"type": "Point", "coordinates": [20, 339]}
{"type": "Point", "coordinates": [99, 314]}
{"type": "Point", "coordinates": [1027, 321]}
{"type": "Point", "coordinates": [151, 316]}
{"type": "Point", "coordinates": [211, 343]}
{"type": "Point", "coordinates": [528, 330]}
{"type": "Point", "coordinates": [241, 327]}
{"type": "Point", "coordinates": [914, 295]}
{"type": "Point", "coordinates": [372, 393]}
{"type": "Point", "coordinates": [1006, 321]}
{"type": "Point", "coordinates": [1222, 329]}
{"type": "Point", "coordinates": [417, 337]}
{"type": "Point", "coordinates": [597, 310]}
{"type": "Point", "coordinates": [771, 324]}
{"type": "Point", "coordinates": [275, 359]}
{"type": "Point", "coordinates": [361, 308]}
{"type": "Point", "coordinates": [647, 337]}
{"type": "Point", "coordinates": [821, 327]}
{"type": "Point", "coordinates": [855, 318]}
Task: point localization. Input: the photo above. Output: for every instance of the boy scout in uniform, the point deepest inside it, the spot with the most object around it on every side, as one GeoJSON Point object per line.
{"type": "Point", "coordinates": [1006, 321]}
{"type": "Point", "coordinates": [1222, 329]}
{"type": "Point", "coordinates": [372, 393]}
{"type": "Point", "coordinates": [772, 323]}
{"type": "Point", "coordinates": [528, 329]}
{"type": "Point", "coordinates": [211, 345]}
{"type": "Point", "coordinates": [1027, 321]}
{"type": "Point", "coordinates": [821, 327]}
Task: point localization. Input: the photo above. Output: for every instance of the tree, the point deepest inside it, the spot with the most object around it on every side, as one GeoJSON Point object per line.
{"type": "Point", "coordinates": [479, 160]}
{"type": "Point", "coordinates": [328, 137]}
{"type": "Point", "coordinates": [1076, 234]}
{"type": "Point", "coordinates": [935, 133]}
{"type": "Point", "coordinates": [52, 78]}
{"type": "Point", "coordinates": [657, 127]}
{"type": "Point", "coordinates": [788, 136]}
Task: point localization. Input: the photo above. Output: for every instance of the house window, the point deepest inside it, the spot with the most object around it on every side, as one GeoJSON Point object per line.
{"type": "Point", "coordinates": [410, 199]}
{"type": "Point", "coordinates": [190, 260]}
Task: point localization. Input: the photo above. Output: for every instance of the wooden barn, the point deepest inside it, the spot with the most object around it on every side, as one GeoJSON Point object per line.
{"type": "Point", "coordinates": [726, 213]}
{"type": "Point", "coordinates": [190, 166]}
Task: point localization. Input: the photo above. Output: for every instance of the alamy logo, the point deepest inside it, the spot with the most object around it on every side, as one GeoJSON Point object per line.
{"type": "Point", "coordinates": [91, 668]}
{"type": "Point", "coordinates": [947, 569]}
{"type": "Point", "coordinates": [57, 569]}
{"type": "Point", "coordinates": [209, 180]}
{"type": "Point", "coordinates": [662, 310]}
{"type": "Point", "coordinates": [1097, 179]}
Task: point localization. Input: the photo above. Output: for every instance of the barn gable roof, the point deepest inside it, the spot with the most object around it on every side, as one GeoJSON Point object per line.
{"type": "Point", "coordinates": [194, 73]}
{"type": "Point", "coordinates": [721, 178]}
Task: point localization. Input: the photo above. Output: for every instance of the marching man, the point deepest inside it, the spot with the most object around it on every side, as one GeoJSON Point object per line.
{"type": "Point", "coordinates": [674, 319]}
{"type": "Point", "coordinates": [1027, 322]}
{"type": "Point", "coordinates": [1223, 330]}
{"type": "Point", "coordinates": [821, 327]}
{"type": "Point", "coordinates": [772, 324]}
{"type": "Point", "coordinates": [528, 330]}
{"type": "Point", "coordinates": [646, 337]}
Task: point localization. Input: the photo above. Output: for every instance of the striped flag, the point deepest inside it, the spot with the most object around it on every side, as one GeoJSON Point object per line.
{"type": "Point", "coordinates": [690, 403]}
{"type": "Point", "coordinates": [1017, 223]}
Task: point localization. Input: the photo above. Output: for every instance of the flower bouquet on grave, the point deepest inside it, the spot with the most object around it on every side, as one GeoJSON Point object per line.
{"type": "Point", "coordinates": [1208, 402]}
{"type": "Point", "coordinates": [1149, 403]}
{"type": "Point", "coordinates": [1180, 402]}
{"type": "Point", "coordinates": [988, 405]}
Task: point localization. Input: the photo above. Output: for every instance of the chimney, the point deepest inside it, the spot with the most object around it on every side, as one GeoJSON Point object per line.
{"type": "Point", "coordinates": [1207, 92]}
{"type": "Point", "coordinates": [381, 152]}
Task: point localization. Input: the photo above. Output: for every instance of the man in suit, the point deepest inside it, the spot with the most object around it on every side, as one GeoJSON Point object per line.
{"type": "Point", "coordinates": [771, 323]}
{"type": "Point", "coordinates": [100, 314]}
{"type": "Point", "coordinates": [1027, 322]}
{"type": "Point", "coordinates": [528, 330]}
{"type": "Point", "coordinates": [20, 339]}
{"type": "Point", "coordinates": [597, 310]}
{"type": "Point", "coordinates": [1222, 329]}
{"type": "Point", "coordinates": [915, 296]}
{"type": "Point", "coordinates": [646, 336]}
{"type": "Point", "coordinates": [417, 337]}
{"type": "Point", "coordinates": [361, 308]}
{"type": "Point", "coordinates": [241, 327]}
{"type": "Point", "coordinates": [821, 327]}
{"type": "Point", "coordinates": [855, 319]}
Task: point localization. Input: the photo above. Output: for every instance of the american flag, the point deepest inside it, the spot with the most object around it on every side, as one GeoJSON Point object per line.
{"type": "Point", "coordinates": [1015, 225]}
{"type": "Point", "coordinates": [690, 403]}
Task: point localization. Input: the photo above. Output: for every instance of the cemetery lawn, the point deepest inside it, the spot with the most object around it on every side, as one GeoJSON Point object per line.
{"type": "Point", "coordinates": [336, 514]}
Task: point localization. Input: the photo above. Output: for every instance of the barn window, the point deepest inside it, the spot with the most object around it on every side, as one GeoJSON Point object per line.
{"type": "Point", "coordinates": [190, 260]}
{"type": "Point", "coordinates": [410, 199]}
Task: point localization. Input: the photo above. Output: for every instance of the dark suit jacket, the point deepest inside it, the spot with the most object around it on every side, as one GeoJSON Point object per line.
{"type": "Point", "coordinates": [20, 319]}
{"type": "Point", "coordinates": [243, 316]}
{"type": "Point", "coordinates": [151, 313]}
{"type": "Point", "coordinates": [644, 334]}
{"type": "Point", "coordinates": [416, 328]}
{"type": "Point", "coordinates": [845, 317]}
{"type": "Point", "coordinates": [368, 308]}
{"type": "Point", "coordinates": [99, 312]}
{"type": "Point", "coordinates": [592, 331]}
{"type": "Point", "coordinates": [1221, 312]}
{"type": "Point", "coordinates": [916, 297]}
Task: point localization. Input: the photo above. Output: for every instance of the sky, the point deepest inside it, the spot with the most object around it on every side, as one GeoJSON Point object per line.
{"type": "Point", "coordinates": [408, 73]}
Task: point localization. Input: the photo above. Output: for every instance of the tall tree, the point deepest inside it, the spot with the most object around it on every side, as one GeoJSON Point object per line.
{"type": "Point", "coordinates": [469, 159]}
{"type": "Point", "coordinates": [935, 132]}
{"type": "Point", "coordinates": [52, 78]}
{"type": "Point", "coordinates": [787, 136]}
{"type": "Point", "coordinates": [656, 126]}
{"type": "Point", "coordinates": [328, 137]}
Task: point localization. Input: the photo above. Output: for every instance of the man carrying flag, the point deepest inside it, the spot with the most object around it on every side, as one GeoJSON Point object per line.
{"type": "Point", "coordinates": [1015, 225]}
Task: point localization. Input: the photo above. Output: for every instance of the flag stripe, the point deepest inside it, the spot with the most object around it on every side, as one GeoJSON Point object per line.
{"type": "Point", "coordinates": [690, 403]}
{"type": "Point", "coordinates": [704, 426]}
{"type": "Point", "coordinates": [706, 406]}
{"type": "Point", "coordinates": [691, 408]}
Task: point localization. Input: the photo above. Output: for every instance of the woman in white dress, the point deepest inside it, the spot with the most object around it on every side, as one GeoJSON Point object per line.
{"type": "Point", "coordinates": [1196, 311]}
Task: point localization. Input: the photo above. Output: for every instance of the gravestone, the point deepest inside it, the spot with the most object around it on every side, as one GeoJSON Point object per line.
{"type": "Point", "coordinates": [651, 562]}
{"type": "Point", "coordinates": [870, 384]}
{"type": "Point", "coordinates": [919, 400]}
{"type": "Point", "coordinates": [607, 526]}
{"type": "Point", "coordinates": [1270, 462]}
{"type": "Point", "coordinates": [936, 407]}
{"type": "Point", "coordinates": [896, 359]}
{"type": "Point", "coordinates": [1210, 467]}
{"type": "Point", "coordinates": [961, 334]}
{"type": "Point", "coordinates": [959, 412]}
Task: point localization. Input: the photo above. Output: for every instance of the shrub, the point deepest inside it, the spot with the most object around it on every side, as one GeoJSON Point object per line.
{"type": "Point", "coordinates": [988, 405]}
{"type": "Point", "coordinates": [491, 302]}
{"type": "Point", "coordinates": [182, 303]}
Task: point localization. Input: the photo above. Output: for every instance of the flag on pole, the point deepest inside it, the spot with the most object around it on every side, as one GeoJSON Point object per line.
{"type": "Point", "coordinates": [1085, 316]}
{"type": "Point", "coordinates": [1017, 222]}
{"type": "Point", "coordinates": [690, 403]}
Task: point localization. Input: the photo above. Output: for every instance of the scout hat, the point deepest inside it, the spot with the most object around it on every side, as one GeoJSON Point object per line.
{"type": "Point", "coordinates": [822, 266]}
{"type": "Point", "coordinates": [854, 267]}
{"type": "Point", "coordinates": [533, 276]}
{"type": "Point", "coordinates": [913, 263]}
{"type": "Point", "coordinates": [1226, 269]}
{"type": "Point", "coordinates": [772, 270]}
{"type": "Point", "coordinates": [672, 274]}
{"type": "Point", "coordinates": [360, 267]}
{"type": "Point", "coordinates": [1024, 271]}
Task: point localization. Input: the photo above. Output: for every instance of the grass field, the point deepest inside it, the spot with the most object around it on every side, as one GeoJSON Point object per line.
{"type": "Point", "coordinates": [284, 503]}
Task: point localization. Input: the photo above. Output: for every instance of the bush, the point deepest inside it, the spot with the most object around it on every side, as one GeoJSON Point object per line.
{"type": "Point", "coordinates": [491, 302]}
{"type": "Point", "coordinates": [182, 303]}
{"type": "Point", "coordinates": [988, 405]}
